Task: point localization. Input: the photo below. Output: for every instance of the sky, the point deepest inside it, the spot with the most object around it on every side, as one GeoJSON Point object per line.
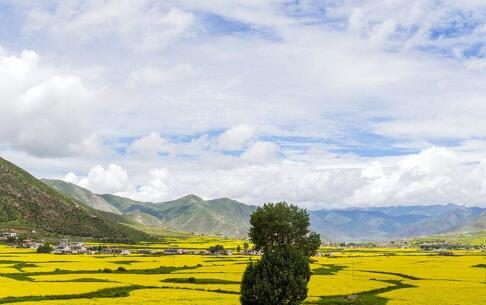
{"type": "Point", "coordinates": [325, 104]}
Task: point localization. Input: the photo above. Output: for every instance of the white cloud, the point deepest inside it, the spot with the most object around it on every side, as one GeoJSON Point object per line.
{"type": "Point", "coordinates": [112, 179]}
{"type": "Point", "coordinates": [435, 175]}
{"type": "Point", "coordinates": [316, 83]}
{"type": "Point", "coordinates": [236, 137]}
{"type": "Point", "coordinates": [151, 145]}
{"type": "Point", "coordinates": [142, 25]}
{"type": "Point", "coordinates": [151, 75]}
{"type": "Point", "coordinates": [45, 111]}
{"type": "Point", "coordinates": [260, 151]}
{"type": "Point", "coordinates": [155, 190]}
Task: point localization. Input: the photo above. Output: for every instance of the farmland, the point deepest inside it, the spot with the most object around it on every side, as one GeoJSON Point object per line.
{"type": "Point", "coordinates": [345, 276]}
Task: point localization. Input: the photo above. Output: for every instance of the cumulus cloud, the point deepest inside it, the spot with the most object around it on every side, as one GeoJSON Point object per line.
{"type": "Point", "coordinates": [151, 145]}
{"type": "Point", "coordinates": [260, 151]}
{"type": "Point", "coordinates": [45, 111]}
{"type": "Point", "coordinates": [112, 179]}
{"type": "Point", "coordinates": [156, 189]}
{"type": "Point", "coordinates": [435, 175]}
{"type": "Point", "coordinates": [236, 137]}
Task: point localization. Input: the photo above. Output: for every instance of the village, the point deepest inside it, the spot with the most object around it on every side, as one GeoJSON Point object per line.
{"type": "Point", "coordinates": [66, 247]}
{"type": "Point", "coordinates": [76, 247]}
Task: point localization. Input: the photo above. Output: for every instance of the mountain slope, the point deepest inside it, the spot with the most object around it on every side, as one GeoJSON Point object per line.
{"type": "Point", "coordinates": [477, 225]}
{"type": "Point", "coordinates": [28, 202]}
{"type": "Point", "coordinates": [353, 224]}
{"type": "Point", "coordinates": [121, 203]}
{"type": "Point", "coordinates": [193, 214]}
{"type": "Point", "coordinates": [442, 223]}
{"type": "Point", "coordinates": [392, 222]}
{"type": "Point", "coordinates": [81, 194]}
{"type": "Point", "coordinates": [190, 213]}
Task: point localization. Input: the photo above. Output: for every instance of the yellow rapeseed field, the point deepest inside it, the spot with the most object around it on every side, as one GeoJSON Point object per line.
{"type": "Point", "coordinates": [393, 276]}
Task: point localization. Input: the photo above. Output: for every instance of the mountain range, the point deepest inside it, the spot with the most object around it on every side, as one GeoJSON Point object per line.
{"type": "Point", "coordinates": [392, 222]}
{"type": "Point", "coordinates": [190, 213]}
{"type": "Point", "coordinates": [229, 217]}
{"type": "Point", "coordinates": [59, 207]}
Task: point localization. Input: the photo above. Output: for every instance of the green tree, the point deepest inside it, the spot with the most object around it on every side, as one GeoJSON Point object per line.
{"type": "Point", "coordinates": [280, 225]}
{"type": "Point", "coordinates": [246, 246]}
{"type": "Point", "coordinates": [216, 248]}
{"type": "Point", "coordinates": [279, 278]}
{"type": "Point", "coordinates": [46, 248]}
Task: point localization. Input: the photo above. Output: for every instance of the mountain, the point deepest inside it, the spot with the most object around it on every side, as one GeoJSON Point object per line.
{"type": "Point", "coordinates": [29, 203]}
{"type": "Point", "coordinates": [229, 217]}
{"type": "Point", "coordinates": [121, 203]}
{"type": "Point", "coordinates": [82, 194]}
{"type": "Point", "coordinates": [189, 213]}
{"type": "Point", "coordinates": [478, 224]}
{"type": "Point", "coordinates": [353, 224]}
{"type": "Point", "coordinates": [357, 224]}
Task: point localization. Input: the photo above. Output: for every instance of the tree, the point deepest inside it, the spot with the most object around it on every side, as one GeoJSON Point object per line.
{"type": "Point", "coordinates": [278, 225]}
{"type": "Point", "coordinates": [246, 246]}
{"type": "Point", "coordinates": [216, 248]}
{"type": "Point", "coordinates": [46, 248]}
{"type": "Point", "coordinates": [280, 277]}
{"type": "Point", "coordinates": [238, 249]}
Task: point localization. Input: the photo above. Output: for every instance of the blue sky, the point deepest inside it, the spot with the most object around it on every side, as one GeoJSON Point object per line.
{"type": "Point", "coordinates": [322, 103]}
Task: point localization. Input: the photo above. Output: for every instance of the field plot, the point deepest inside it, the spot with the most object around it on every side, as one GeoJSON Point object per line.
{"type": "Point", "coordinates": [344, 276]}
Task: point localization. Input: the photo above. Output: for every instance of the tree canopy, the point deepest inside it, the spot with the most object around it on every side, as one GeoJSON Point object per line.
{"type": "Point", "coordinates": [280, 225]}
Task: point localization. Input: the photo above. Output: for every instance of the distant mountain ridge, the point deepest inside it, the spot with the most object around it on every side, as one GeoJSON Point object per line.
{"type": "Point", "coordinates": [190, 213]}
{"type": "Point", "coordinates": [358, 224]}
{"type": "Point", "coordinates": [229, 217]}
{"type": "Point", "coordinates": [29, 203]}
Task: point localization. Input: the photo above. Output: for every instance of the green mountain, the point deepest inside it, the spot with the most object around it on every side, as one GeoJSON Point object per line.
{"type": "Point", "coordinates": [81, 194]}
{"type": "Point", "coordinates": [29, 203]}
{"type": "Point", "coordinates": [192, 214]}
{"type": "Point", "coordinates": [121, 203]}
{"type": "Point", "coordinates": [189, 213]}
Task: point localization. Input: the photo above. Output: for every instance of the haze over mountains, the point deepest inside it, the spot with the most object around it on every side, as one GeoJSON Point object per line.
{"type": "Point", "coordinates": [229, 217]}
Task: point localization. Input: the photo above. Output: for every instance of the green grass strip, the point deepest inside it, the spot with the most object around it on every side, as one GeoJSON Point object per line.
{"type": "Point", "coordinates": [370, 297]}
{"type": "Point", "coordinates": [192, 280]}
{"type": "Point", "coordinates": [26, 276]}
{"type": "Point", "coordinates": [405, 276]}
{"type": "Point", "coordinates": [116, 292]}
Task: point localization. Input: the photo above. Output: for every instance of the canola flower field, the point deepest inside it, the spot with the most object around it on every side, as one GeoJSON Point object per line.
{"type": "Point", "coordinates": [347, 276]}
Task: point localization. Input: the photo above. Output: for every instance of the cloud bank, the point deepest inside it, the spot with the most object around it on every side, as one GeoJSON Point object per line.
{"type": "Point", "coordinates": [323, 103]}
